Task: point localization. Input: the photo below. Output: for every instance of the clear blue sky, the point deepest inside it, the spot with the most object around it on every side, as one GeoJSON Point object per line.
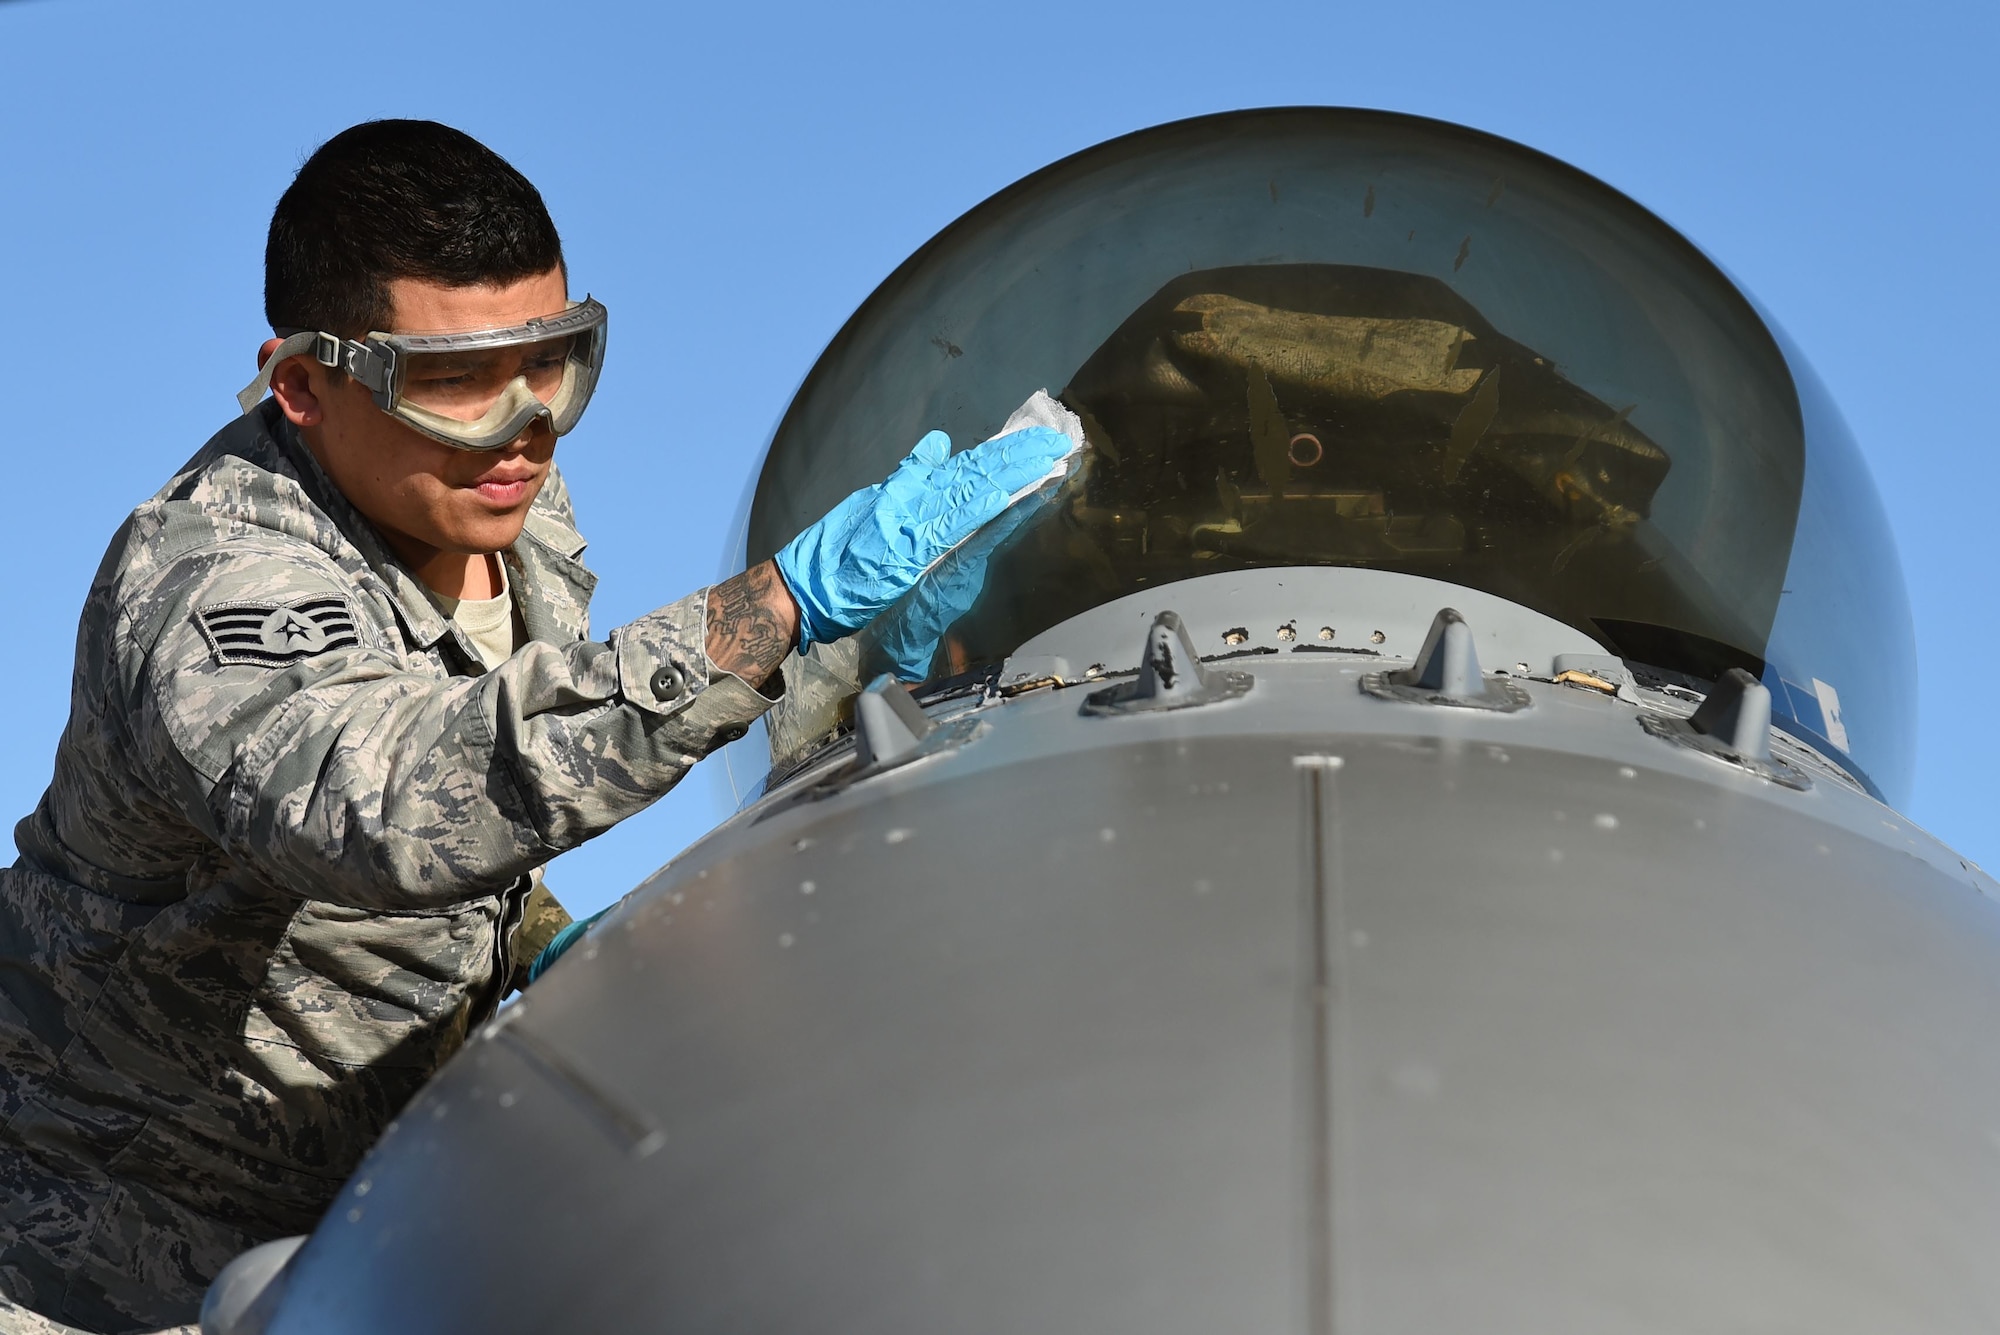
{"type": "Point", "coordinates": [733, 180]}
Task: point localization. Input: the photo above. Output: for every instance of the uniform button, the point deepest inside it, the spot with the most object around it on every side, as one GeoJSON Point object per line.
{"type": "Point", "coordinates": [734, 732]}
{"type": "Point", "coordinates": [669, 682]}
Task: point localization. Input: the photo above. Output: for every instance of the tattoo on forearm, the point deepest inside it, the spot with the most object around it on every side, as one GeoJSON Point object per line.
{"type": "Point", "coordinates": [752, 623]}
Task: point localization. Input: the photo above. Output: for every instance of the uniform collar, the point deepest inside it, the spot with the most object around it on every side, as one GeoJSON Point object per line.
{"type": "Point", "coordinates": [552, 585]}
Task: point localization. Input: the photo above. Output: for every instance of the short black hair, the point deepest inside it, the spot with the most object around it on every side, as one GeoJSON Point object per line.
{"type": "Point", "coordinates": [393, 199]}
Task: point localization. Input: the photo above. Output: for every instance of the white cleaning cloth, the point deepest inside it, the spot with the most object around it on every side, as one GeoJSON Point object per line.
{"type": "Point", "coordinates": [1041, 410]}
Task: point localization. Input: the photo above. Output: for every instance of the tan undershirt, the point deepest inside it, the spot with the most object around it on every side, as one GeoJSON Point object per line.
{"type": "Point", "coordinates": [489, 623]}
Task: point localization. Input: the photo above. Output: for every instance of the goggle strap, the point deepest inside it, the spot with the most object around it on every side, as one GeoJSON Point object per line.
{"type": "Point", "coordinates": [356, 359]}
{"type": "Point", "coordinates": [306, 341]}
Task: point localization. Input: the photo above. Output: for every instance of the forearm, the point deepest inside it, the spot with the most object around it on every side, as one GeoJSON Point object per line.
{"type": "Point", "coordinates": [752, 623]}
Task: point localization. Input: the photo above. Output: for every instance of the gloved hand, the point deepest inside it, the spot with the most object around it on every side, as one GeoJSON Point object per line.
{"type": "Point", "coordinates": [875, 545]}
{"type": "Point", "coordinates": [904, 640]}
{"type": "Point", "coordinates": [563, 940]}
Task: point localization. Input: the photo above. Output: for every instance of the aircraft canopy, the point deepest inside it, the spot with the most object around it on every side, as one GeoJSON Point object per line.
{"type": "Point", "coordinates": [1344, 338]}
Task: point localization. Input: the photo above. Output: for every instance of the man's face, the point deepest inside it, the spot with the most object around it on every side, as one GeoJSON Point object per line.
{"type": "Point", "coordinates": [435, 504]}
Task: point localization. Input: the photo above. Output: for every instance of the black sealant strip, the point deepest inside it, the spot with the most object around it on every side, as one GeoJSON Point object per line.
{"type": "Point", "coordinates": [1319, 1097]}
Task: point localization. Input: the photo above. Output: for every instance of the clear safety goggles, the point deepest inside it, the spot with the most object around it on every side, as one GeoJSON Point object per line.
{"type": "Point", "coordinates": [477, 390]}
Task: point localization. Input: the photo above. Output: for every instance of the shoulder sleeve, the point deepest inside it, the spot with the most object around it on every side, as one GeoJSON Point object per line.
{"type": "Point", "coordinates": [269, 708]}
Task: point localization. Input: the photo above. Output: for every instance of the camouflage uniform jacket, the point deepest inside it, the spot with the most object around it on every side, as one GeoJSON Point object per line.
{"type": "Point", "coordinates": [277, 876]}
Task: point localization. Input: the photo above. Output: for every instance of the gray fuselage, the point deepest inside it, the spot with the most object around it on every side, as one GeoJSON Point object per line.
{"type": "Point", "coordinates": [1306, 1010]}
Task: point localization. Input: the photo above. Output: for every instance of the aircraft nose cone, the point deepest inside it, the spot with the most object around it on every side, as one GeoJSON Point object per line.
{"type": "Point", "coordinates": [1214, 1033]}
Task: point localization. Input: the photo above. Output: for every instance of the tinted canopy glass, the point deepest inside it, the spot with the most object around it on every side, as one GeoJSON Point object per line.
{"type": "Point", "coordinates": [1322, 337]}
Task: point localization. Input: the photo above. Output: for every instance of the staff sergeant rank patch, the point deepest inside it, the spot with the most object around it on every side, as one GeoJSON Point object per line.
{"type": "Point", "coordinates": [277, 634]}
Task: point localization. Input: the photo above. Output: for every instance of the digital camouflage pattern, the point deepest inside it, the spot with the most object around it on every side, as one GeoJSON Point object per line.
{"type": "Point", "coordinates": [287, 861]}
{"type": "Point", "coordinates": [18, 1320]}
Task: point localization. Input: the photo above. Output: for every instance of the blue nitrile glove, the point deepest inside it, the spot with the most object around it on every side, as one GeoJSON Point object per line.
{"type": "Point", "coordinates": [560, 942]}
{"type": "Point", "coordinates": [905, 638]}
{"type": "Point", "coordinates": [875, 545]}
